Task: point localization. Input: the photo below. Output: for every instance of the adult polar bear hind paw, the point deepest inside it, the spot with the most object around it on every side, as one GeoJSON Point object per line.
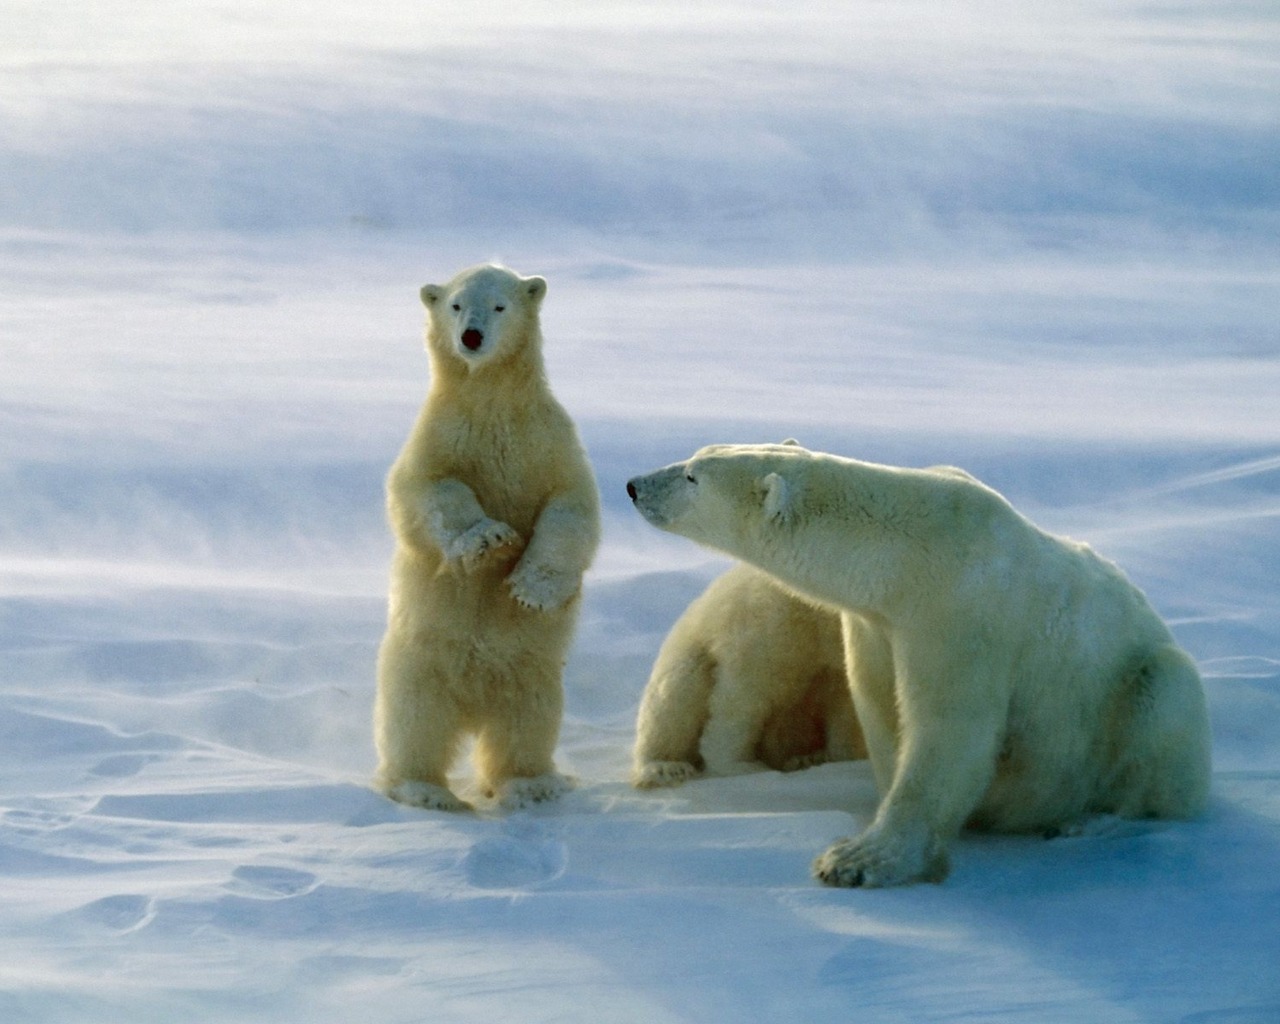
{"type": "Point", "coordinates": [1003, 678]}
{"type": "Point", "coordinates": [496, 518]}
{"type": "Point", "coordinates": [749, 677]}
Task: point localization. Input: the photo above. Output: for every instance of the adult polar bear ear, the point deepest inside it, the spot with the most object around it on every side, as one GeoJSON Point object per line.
{"type": "Point", "coordinates": [777, 492]}
{"type": "Point", "coordinates": [777, 498]}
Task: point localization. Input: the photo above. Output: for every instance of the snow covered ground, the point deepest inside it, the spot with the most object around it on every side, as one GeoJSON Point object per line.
{"type": "Point", "coordinates": [1041, 241]}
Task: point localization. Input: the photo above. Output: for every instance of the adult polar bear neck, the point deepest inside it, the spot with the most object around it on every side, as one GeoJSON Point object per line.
{"type": "Point", "coordinates": [797, 490]}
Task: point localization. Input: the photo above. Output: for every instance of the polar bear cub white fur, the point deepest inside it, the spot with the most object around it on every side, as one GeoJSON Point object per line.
{"type": "Point", "coordinates": [749, 677]}
{"type": "Point", "coordinates": [496, 518]}
{"type": "Point", "coordinates": [1003, 677]}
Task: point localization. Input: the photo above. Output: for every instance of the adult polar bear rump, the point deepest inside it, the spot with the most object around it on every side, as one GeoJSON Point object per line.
{"type": "Point", "coordinates": [496, 517]}
{"type": "Point", "coordinates": [749, 677]}
{"type": "Point", "coordinates": [1004, 678]}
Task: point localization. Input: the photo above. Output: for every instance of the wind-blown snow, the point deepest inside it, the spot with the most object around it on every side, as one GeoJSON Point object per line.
{"type": "Point", "coordinates": [1038, 241]}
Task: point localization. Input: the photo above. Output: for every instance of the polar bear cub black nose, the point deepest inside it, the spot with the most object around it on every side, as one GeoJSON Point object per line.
{"type": "Point", "coordinates": [631, 489]}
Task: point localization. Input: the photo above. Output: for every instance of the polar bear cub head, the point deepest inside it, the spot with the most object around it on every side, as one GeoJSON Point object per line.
{"type": "Point", "coordinates": [484, 315]}
{"type": "Point", "coordinates": [724, 494]}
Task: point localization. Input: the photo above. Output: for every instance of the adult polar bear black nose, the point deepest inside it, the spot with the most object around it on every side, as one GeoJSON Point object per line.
{"type": "Point", "coordinates": [631, 489]}
{"type": "Point", "coordinates": [472, 338]}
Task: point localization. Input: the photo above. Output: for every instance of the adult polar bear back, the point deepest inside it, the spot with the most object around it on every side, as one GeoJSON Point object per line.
{"type": "Point", "coordinates": [496, 517]}
{"type": "Point", "coordinates": [1003, 677]}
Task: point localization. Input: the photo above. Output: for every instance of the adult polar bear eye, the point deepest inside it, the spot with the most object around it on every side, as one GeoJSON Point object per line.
{"type": "Point", "coordinates": [457, 308]}
{"type": "Point", "coordinates": [690, 477]}
{"type": "Point", "coordinates": [499, 309]}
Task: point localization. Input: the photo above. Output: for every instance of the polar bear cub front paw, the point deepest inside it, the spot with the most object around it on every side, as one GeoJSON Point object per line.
{"type": "Point", "coordinates": [472, 545]}
{"type": "Point", "coordinates": [541, 588]}
{"type": "Point", "coordinates": [882, 857]}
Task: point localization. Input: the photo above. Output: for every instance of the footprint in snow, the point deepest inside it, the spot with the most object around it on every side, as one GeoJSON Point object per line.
{"type": "Point", "coordinates": [123, 913]}
{"type": "Point", "coordinates": [263, 882]}
{"type": "Point", "coordinates": [120, 766]}
{"type": "Point", "coordinates": [524, 855]}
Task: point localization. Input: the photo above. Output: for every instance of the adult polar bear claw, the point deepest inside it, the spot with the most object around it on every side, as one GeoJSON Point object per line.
{"type": "Point", "coordinates": [749, 677]}
{"type": "Point", "coordinates": [1004, 678]}
{"type": "Point", "coordinates": [496, 518]}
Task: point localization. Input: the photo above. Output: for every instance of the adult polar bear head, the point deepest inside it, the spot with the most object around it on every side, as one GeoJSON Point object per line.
{"type": "Point", "coordinates": [486, 314]}
{"type": "Point", "coordinates": [724, 490]}
{"type": "Point", "coordinates": [755, 501]}
{"type": "Point", "coordinates": [1003, 677]}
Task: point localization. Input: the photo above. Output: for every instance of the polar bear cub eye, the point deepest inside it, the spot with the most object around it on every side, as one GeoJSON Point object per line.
{"type": "Point", "coordinates": [499, 309]}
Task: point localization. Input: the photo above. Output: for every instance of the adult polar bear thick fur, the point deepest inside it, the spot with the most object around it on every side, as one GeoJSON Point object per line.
{"type": "Point", "coordinates": [750, 676]}
{"type": "Point", "coordinates": [1004, 678]}
{"type": "Point", "coordinates": [496, 518]}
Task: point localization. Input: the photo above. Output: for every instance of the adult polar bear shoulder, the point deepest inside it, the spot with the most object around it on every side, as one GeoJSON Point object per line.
{"type": "Point", "coordinates": [496, 518]}
{"type": "Point", "coordinates": [1003, 677]}
{"type": "Point", "coordinates": [750, 676]}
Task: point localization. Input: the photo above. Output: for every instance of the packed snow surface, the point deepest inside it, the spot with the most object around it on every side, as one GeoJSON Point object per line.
{"type": "Point", "coordinates": [1039, 241]}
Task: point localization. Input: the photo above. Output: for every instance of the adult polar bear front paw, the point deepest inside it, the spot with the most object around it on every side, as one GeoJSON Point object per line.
{"type": "Point", "coordinates": [660, 774]}
{"type": "Point", "coordinates": [879, 858]}
{"type": "Point", "coordinates": [540, 588]}
{"type": "Point", "coordinates": [471, 546]}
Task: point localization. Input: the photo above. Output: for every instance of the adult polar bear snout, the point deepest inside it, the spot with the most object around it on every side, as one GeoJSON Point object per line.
{"type": "Point", "coordinates": [663, 495]}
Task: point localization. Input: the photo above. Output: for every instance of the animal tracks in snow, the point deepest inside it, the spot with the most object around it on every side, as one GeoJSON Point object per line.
{"type": "Point", "coordinates": [121, 913]}
{"type": "Point", "coordinates": [120, 766]}
{"type": "Point", "coordinates": [524, 855]}
{"type": "Point", "coordinates": [271, 883]}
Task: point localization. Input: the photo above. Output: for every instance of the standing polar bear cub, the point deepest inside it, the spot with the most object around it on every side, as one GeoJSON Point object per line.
{"type": "Point", "coordinates": [1003, 678]}
{"type": "Point", "coordinates": [750, 676]}
{"type": "Point", "coordinates": [496, 518]}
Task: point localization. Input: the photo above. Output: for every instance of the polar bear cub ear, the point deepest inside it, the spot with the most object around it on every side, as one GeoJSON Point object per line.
{"type": "Point", "coordinates": [791, 442]}
{"type": "Point", "coordinates": [534, 287]}
{"type": "Point", "coordinates": [777, 498]}
{"type": "Point", "coordinates": [430, 294]}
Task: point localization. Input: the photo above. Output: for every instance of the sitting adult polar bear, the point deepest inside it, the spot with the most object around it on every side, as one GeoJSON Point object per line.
{"type": "Point", "coordinates": [1004, 678]}
{"type": "Point", "coordinates": [496, 517]}
{"type": "Point", "coordinates": [750, 676]}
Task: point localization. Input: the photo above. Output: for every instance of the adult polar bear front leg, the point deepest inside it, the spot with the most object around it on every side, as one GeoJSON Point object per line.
{"type": "Point", "coordinates": [939, 771]}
